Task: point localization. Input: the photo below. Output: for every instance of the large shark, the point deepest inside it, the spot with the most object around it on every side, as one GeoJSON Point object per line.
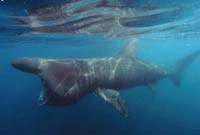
{"type": "Point", "coordinates": [65, 81]}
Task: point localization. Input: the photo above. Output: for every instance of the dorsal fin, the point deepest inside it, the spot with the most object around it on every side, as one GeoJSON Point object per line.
{"type": "Point", "coordinates": [129, 50]}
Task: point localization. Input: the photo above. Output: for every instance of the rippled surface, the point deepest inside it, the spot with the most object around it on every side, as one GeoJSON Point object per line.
{"type": "Point", "coordinates": [106, 18]}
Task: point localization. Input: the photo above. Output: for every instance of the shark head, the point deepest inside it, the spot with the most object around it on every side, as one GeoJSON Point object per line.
{"type": "Point", "coordinates": [59, 79]}
{"type": "Point", "coordinates": [30, 65]}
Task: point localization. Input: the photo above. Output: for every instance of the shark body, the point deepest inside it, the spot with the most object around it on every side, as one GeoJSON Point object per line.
{"type": "Point", "coordinates": [65, 81]}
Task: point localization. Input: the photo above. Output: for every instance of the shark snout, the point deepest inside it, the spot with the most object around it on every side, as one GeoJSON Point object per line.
{"type": "Point", "coordinates": [30, 65]}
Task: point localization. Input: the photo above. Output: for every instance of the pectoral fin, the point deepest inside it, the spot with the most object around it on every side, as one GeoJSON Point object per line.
{"type": "Point", "coordinates": [113, 98]}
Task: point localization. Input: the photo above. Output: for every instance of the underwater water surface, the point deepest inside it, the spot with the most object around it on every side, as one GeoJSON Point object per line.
{"type": "Point", "coordinates": [169, 110]}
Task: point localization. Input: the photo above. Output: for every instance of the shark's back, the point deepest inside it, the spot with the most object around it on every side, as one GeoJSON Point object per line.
{"type": "Point", "coordinates": [128, 72]}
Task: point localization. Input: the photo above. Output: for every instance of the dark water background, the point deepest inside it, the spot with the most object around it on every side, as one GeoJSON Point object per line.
{"type": "Point", "coordinates": [168, 111]}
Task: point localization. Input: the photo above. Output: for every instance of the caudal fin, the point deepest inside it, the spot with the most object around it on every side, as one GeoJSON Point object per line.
{"type": "Point", "coordinates": [181, 66]}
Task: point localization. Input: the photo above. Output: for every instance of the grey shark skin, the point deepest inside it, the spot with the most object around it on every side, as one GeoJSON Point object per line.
{"type": "Point", "coordinates": [65, 81]}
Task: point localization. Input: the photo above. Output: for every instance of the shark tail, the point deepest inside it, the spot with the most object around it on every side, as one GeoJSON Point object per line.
{"type": "Point", "coordinates": [181, 66]}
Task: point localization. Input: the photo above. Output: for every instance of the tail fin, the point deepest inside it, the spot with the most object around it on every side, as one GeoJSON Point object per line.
{"type": "Point", "coordinates": [181, 66]}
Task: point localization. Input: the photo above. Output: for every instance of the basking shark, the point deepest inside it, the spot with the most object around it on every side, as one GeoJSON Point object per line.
{"type": "Point", "coordinates": [65, 81]}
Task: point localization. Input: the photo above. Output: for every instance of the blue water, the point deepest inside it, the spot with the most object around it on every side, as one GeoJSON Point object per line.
{"type": "Point", "coordinates": [167, 111]}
